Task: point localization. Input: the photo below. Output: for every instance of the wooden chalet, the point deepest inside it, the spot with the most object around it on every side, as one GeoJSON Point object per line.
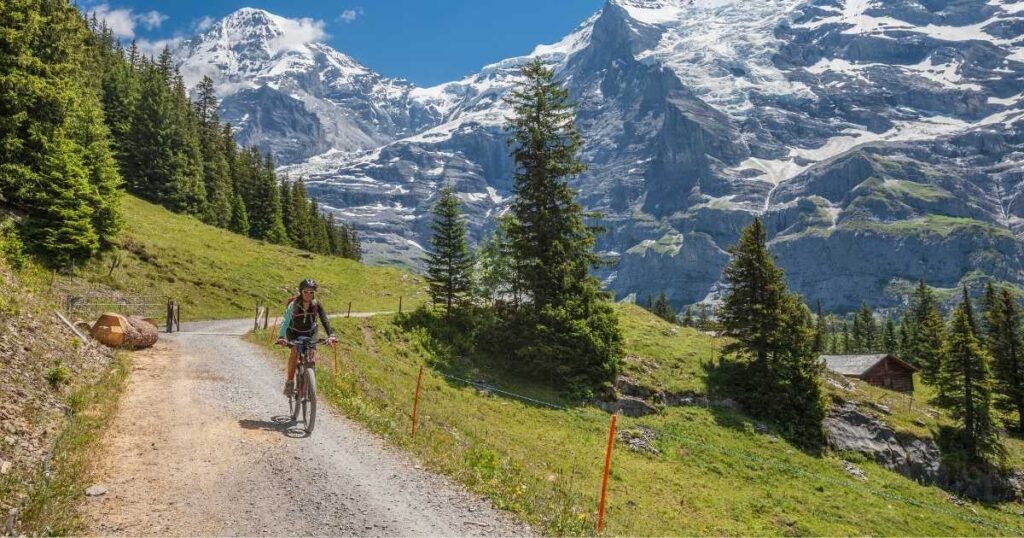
{"type": "Point", "coordinates": [882, 370]}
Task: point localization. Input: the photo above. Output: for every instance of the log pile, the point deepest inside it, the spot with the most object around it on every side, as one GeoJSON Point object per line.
{"type": "Point", "coordinates": [119, 331]}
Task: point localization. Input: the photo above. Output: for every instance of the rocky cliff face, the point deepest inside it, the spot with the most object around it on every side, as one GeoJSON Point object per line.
{"type": "Point", "coordinates": [882, 141]}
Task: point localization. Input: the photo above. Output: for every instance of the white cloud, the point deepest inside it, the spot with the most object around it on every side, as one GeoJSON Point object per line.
{"type": "Point", "coordinates": [296, 33]}
{"type": "Point", "coordinates": [350, 15]}
{"type": "Point", "coordinates": [204, 23]}
{"type": "Point", "coordinates": [151, 19]}
{"type": "Point", "coordinates": [119, 21]}
{"type": "Point", "coordinates": [122, 21]}
{"type": "Point", "coordinates": [155, 47]}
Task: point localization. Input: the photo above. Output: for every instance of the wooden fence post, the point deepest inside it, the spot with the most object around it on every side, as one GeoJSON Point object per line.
{"type": "Point", "coordinates": [607, 470]}
{"type": "Point", "coordinates": [266, 315]}
{"type": "Point", "coordinates": [349, 310]}
{"type": "Point", "coordinates": [256, 320]}
{"type": "Point", "coordinates": [399, 304]}
{"type": "Point", "coordinates": [170, 316]}
{"type": "Point", "coordinates": [177, 317]}
{"type": "Point", "coordinates": [416, 402]}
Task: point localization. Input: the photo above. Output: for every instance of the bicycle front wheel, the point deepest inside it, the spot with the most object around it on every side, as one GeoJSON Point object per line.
{"type": "Point", "coordinates": [309, 402]}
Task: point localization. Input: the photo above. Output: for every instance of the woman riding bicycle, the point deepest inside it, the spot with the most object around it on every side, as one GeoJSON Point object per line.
{"type": "Point", "coordinates": [300, 320]}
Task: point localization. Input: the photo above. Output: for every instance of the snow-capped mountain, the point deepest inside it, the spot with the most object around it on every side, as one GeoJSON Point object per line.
{"type": "Point", "coordinates": [882, 141]}
{"type": "Point", "coordinates": [294, 96]}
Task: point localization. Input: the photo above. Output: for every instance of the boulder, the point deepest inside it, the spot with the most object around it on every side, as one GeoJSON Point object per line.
{"type": "Point", "coordinates": [115, 330]}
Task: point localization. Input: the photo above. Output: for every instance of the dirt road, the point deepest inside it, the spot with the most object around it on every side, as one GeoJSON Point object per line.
{"type": "Point", "coordinates": [202, 446]}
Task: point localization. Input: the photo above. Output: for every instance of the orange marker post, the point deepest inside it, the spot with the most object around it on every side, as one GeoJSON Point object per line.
{"type": "Point", "coordinates": [416, 401]}
{"type": "Point", "coordinates": [607, 470]}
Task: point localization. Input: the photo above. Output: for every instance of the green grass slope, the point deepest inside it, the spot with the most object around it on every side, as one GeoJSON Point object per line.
{"type": "Point", "coordinates": [710, 473]}
{"type": "Point", "coordinates": [213, 273]}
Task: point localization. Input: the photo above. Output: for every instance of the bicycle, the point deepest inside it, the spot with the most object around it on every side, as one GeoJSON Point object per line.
{"type": "Point", "coordinates": [304, 396]}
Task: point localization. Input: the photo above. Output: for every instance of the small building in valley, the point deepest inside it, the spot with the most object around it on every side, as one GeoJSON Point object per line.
{"type": "Point", "coordinates": [882, 370]}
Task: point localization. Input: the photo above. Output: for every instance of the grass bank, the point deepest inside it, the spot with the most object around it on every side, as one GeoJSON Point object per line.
{"type": "Point", "coordinates": [692, 470]}
{"type": "Point", "coordinates": [56, 489]}
{"type": "Point", "coordinates": [214, 273]}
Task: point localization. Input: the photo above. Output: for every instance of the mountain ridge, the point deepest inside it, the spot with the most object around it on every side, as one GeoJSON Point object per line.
{"type": "Point", "coordinates": [832, 119]}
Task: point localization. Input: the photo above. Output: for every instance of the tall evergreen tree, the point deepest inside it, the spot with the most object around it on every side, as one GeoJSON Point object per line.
{"type": "Point", "coordinates": [1003, 318]}
{"type": "Point", "coordinates": [688, 317]}
{"type": "Point", "coordinates": [890, 343]}
{"type": "Point", "coordinates": [966, 381]}
{"type": "Point", "coordinates": [820, 331]}
{"type": "Point", "coordinates": [571, 329]}
{"type": "Point", "coordinates": [239, 217]}
{"type": "Point", "coordinates": [772, 335]}
{"type": "Point", "coordinates": [865, 330]}
{"type": "Point", "coordinates": [55, 158]}
{"type": "Point", "coordinates": [663, 309]}
{"type": "Point", "coordinates": [449, 263]}
{"type": "Point", "coordinates": [216, 171]}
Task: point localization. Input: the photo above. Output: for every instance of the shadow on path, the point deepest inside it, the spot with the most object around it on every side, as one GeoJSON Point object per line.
{"type": "Point", "coordinates": [282, 424]}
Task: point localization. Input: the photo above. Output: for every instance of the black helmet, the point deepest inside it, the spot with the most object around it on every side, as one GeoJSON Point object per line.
{"type": "Point", "coordinates": [308, 283]}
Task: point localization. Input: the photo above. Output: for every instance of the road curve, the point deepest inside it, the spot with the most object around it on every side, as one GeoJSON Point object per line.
{"type": "Point", "coordinates": [201, 446]}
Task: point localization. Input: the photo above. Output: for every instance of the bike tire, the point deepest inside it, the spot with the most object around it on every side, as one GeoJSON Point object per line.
{"type": "Point", "coordinates": [309, 403]}
{"type": "Point", "coordinates": [294, 402]}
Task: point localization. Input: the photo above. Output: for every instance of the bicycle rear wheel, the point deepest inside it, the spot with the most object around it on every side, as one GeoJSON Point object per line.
{"type": "Point", "coordinates": [309, 402]}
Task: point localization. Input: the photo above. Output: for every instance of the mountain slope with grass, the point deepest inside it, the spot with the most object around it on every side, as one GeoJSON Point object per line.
{"type": "Point", "coordinates": [215, 274]}
{"type": "Point", "coordinates": [686, 470]}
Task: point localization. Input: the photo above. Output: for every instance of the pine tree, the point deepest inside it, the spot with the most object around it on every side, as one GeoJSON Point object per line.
{"type": "Point", "coordinates": [865, 330]}
{"type": "Point", "coordinates": [265, 219]}
{"type": "Point", "coordinates": [300, 231]}
{"type": "Point", "coordinates": [688, 317]}
{"type": "Point", "coordinates": [497, 277]}
{"type": "Point", "coordinates": [844, 339]}
{"type": "Point", "coordinates": [663, 309]}
{"type": "Point", "coordinates": [1004, 344]}
{"type": "Point", "coordinates": [216, 171]}
{"type": "Point", "coordinates": [772, 335]}
{"type": "Point", "coordinates": [239, 217]}
{"type": "Point", "coordinates": [903, 337]}
{"type": "Point", "coordinates": [889, 340]}
{"type": "Point", "coordinates": [820, 331]}
{"type": "Point", "coordinates": [318, 229]}
{"type": "Point", "coordinates": [570, 329]}
{"type": "Point", "coordinates": [55, 160]}
{"type": "Point", "coordinates": [926, 334]}
{"type": "Point", "coordinates": [966, 381]}
{"type": "Point", "coordinates": [449, 264]}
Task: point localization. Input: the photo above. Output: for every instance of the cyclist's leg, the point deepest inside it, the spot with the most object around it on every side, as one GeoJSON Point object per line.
{"type": "Point", "coordinates": [293, 360]}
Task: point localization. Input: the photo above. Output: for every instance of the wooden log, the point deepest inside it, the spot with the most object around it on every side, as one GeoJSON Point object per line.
{"type": "Point", "coordinates": [119, 331]}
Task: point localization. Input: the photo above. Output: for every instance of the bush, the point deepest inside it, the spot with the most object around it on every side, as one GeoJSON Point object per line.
{"type": "Point", "coordinates": [58, 375]}
{"type": "Point", "coordinates": [11, 247]}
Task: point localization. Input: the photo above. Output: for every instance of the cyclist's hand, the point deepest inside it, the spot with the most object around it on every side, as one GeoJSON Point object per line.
{"type": "Point", "coordinates": [331, 340]}
{"type": "Point", "coordinates": [282, 342]}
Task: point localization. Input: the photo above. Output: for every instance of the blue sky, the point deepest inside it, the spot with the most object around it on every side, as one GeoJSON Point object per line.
{"type": "Point", "coordinates": [427, 42]}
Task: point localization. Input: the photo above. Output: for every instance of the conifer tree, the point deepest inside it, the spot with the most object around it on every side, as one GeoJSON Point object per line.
{"type": "Point", "coordinates": [318, 229]}
{"type": "Point", "coordinates": [663, 309]}
{"type": "Point", "coordinates": [889, 340]}
{"type": "Point", "coordinates": [55, 160]}
{"type": "Point", "coordinates": [966, 381]}
{"type": "Point", "coordinates": [865, 330]}
{"type": "Point", "coordinates": [569, 329]}
{"type": "Point", "coordinates": [844, 339]}
{"type": "Point", "coordinates": [1004, 344]}
{"type": "Point", "coordinates": [820, 331]}
{"type": "Point", "coordinates": [216, 171]}
{"type": "Point", "coordinates": [772, 334]}
{"type": "Point", "coordinates": [239, 217]}
{"type": "Point", "coordinates": [449, 264]}
{"type": "Point", "coordinates": [688, 317]}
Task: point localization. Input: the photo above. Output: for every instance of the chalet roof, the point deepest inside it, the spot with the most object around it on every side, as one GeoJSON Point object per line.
{"type": "Point", "coordinates": [856, 365]}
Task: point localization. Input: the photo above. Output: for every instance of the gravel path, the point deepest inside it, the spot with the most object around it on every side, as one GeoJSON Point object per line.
{"type": "Point", "coordinates": [202, 446]}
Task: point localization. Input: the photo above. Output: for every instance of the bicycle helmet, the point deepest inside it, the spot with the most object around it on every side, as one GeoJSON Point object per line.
{"type": "Point", "coordinates": [308, 283]}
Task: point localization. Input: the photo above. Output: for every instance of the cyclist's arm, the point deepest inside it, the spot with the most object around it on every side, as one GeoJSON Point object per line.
{"type": "Point", "coordinates": [326, 322]}
{"type": "Point", "coordinates": [286, 321]}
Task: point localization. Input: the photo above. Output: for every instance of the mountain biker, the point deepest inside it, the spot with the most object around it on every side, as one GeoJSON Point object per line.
{"type": "Point", "coordinates": [300, 320]}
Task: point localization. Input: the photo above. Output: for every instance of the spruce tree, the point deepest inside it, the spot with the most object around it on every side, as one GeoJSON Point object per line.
{"type": "Point", "coordinates": [663, 309]}
{"type": "Point", "coordinates": [772, 334]}
{"type": "Point", "coordinates": [318, 228]}
{"type": "Point", "coordinates": [216, 171]}
{"type": "Point", "coordinates": [966, 381]}
{"type": "Point", "coordinates": [889, 340]}
{"type": "Point", "coordinates": [569, 329]}
{"type": "Point", "coordinates": [688, 316]}
{"type": "Point", "coordinates": [1004, 344]}
{"type": "Point", "coordinates": [449, 264]}
{"type": "Point", "coordinates": [820, 331]}
{"type": "Point", "coordinates": [239, 217]}
{"type": "Point", "coordinates": [865, 330]}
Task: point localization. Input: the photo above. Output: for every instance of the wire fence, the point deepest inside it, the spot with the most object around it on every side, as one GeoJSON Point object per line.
{"type": "Point", "coordinates": [661, 435]}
